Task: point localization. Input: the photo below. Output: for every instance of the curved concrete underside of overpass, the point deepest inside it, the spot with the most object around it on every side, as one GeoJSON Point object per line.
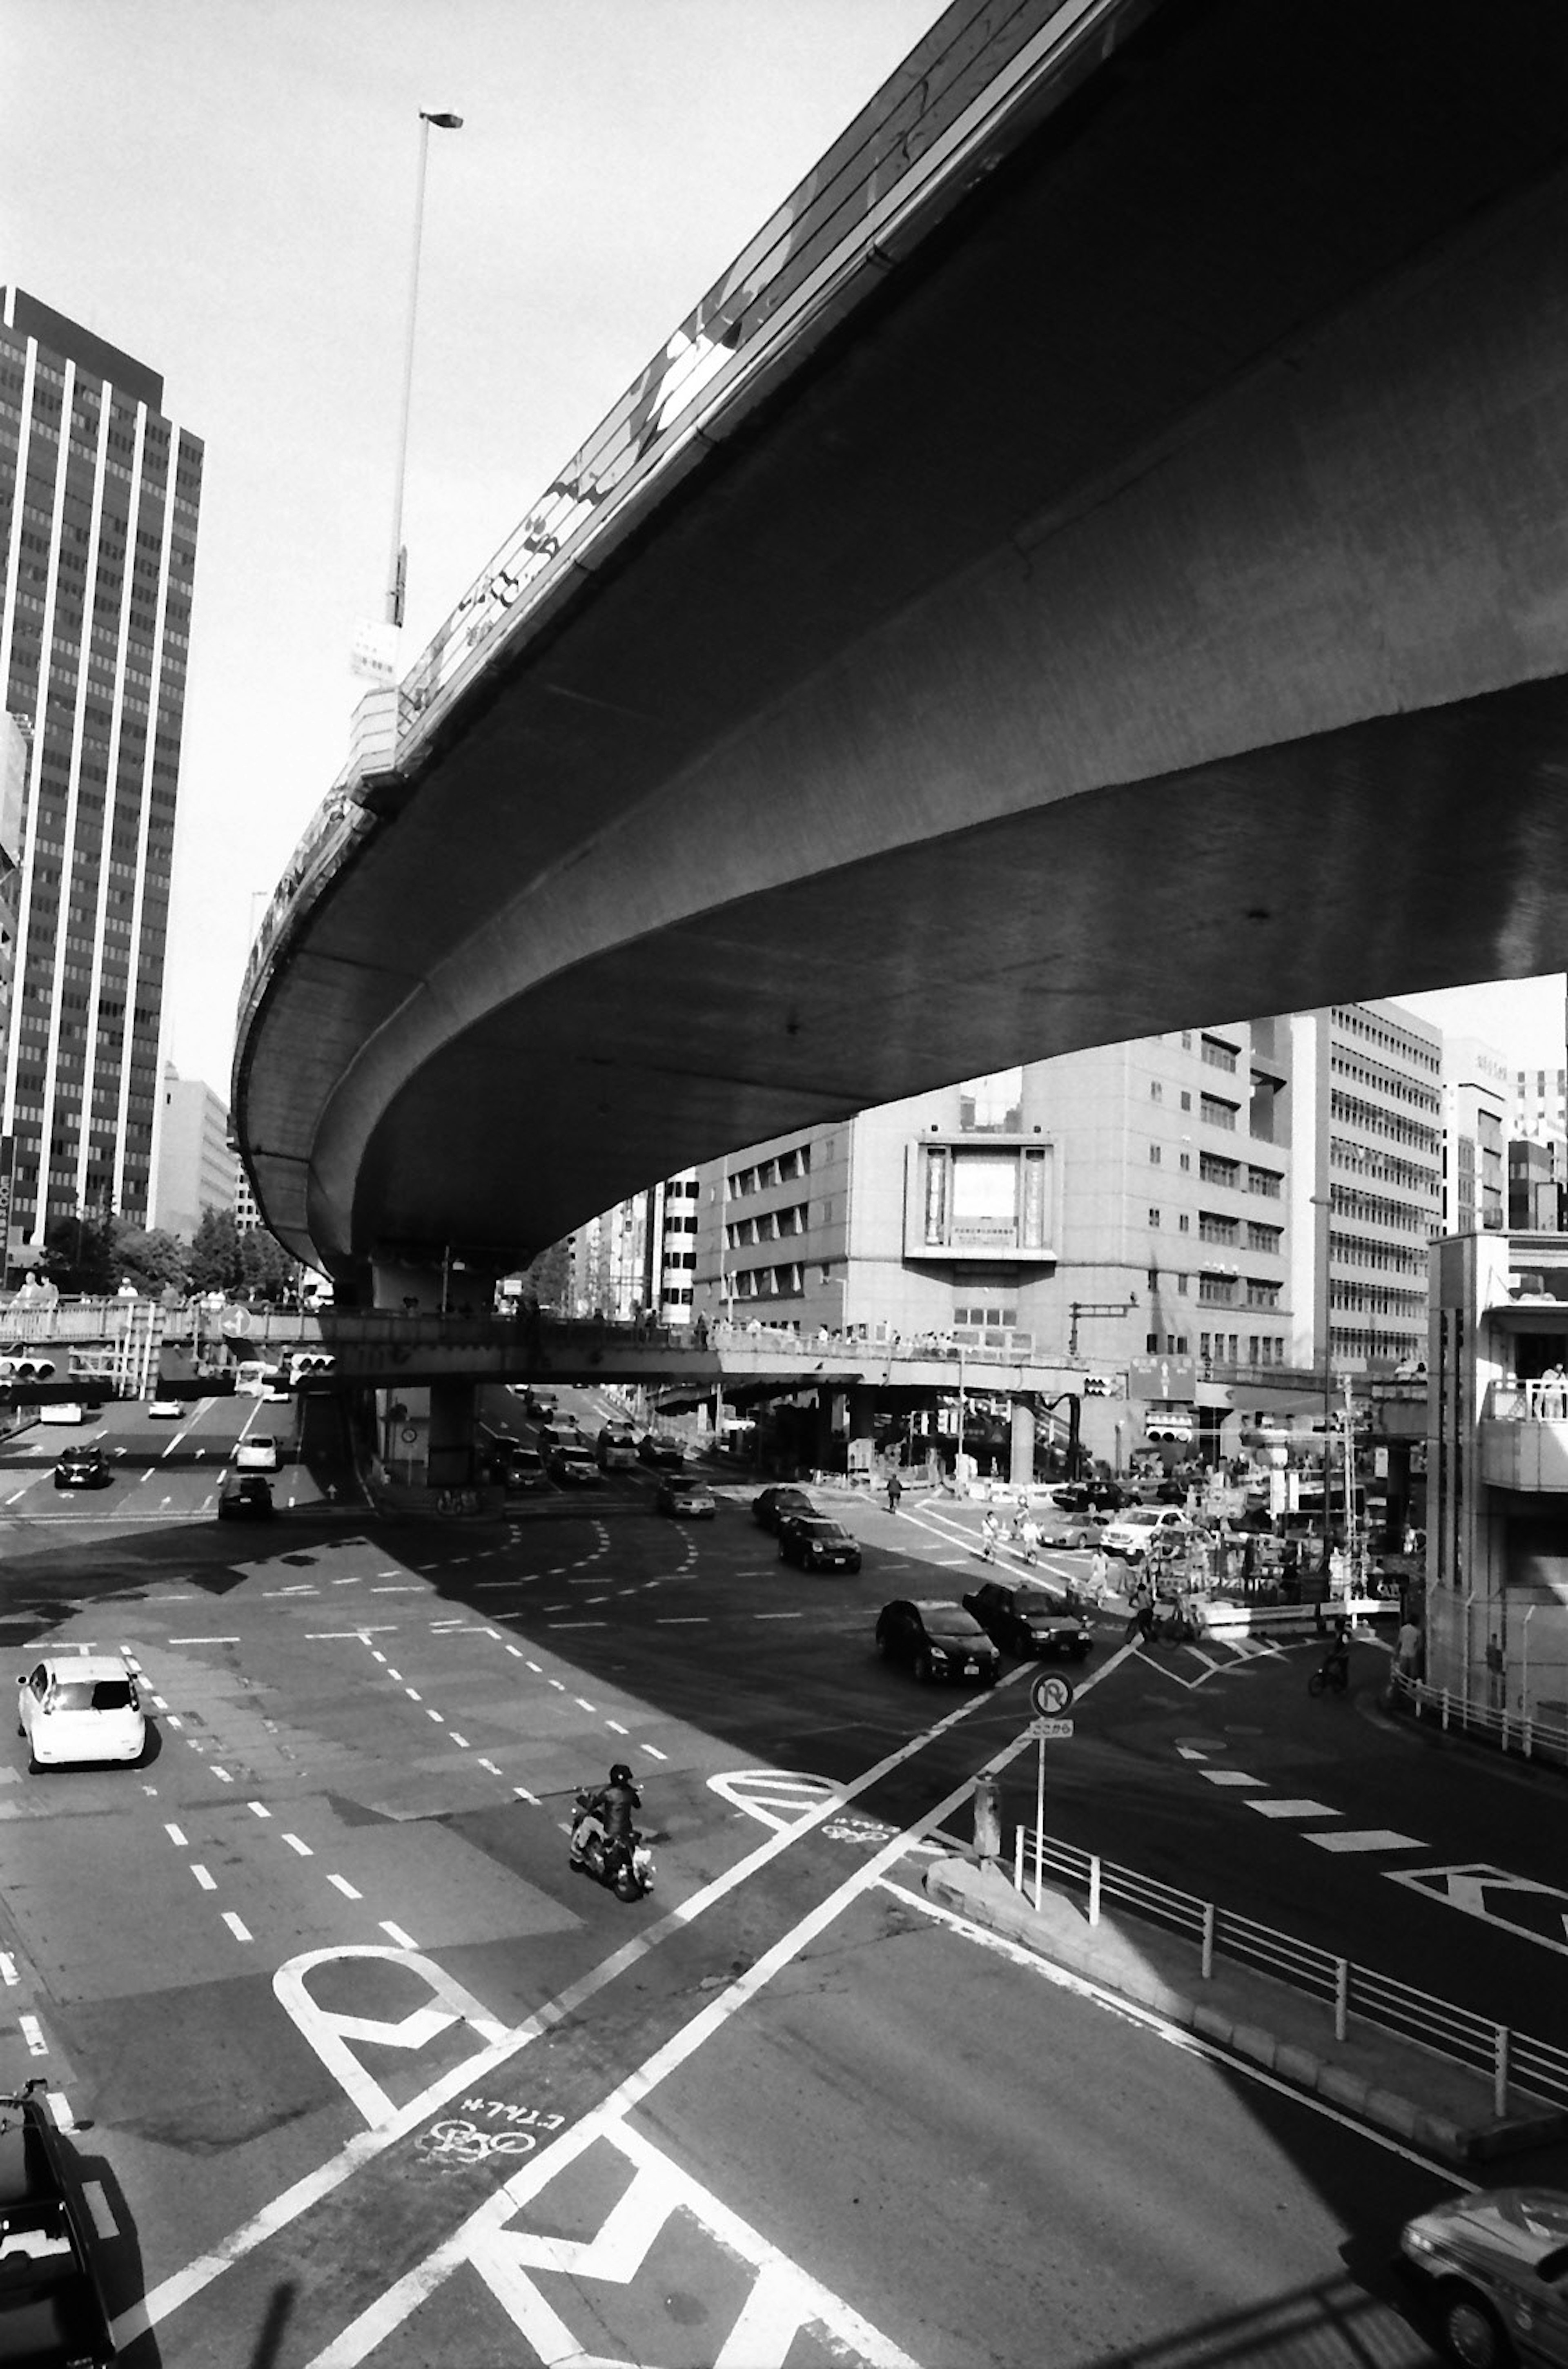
{"type": "Point", "coordinates": [1151, 607]}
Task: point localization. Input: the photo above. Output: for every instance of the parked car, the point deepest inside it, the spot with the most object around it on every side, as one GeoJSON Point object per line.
{"type": "Point", "coordinates": [245, 1497]}
{"type": "Point", "coordinates": [257, 1454]}
{"type": "Point", "coordinates": [938, 1640]}
{"type": "Point", "coordinates": [693, 1499]}
{"type": "Point", "coordinates": [80, 1707]}
{"type": "Point", "coordinates": [1494, 2268]}
{"type": "Point", "coordinates": [51, 2307]}
{"type": "Point", "coordinates": [1129, 1534]}
{"type": "Point", "coordinates": [662, 1450]}
{"type": "Point", "coordinates": [1022, 1622]}
{"type": "Point", "coordinates": [569, 1464]}
{"type": "Point", "coordinates": [818, 1544]}
{"type": "Point", "coordinates": [83, 1466]}
{"type": "Point", "coordinates": [776, 1505]}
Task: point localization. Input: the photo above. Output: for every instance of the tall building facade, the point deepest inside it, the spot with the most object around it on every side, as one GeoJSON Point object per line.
{"type": "Point", "coordinates": [1368, 1183]}
{"type": "Point", "coordinates": [196, 1166]}
{"type": "Point", "coordinates": [100, 498]}
{"type": "Point", "coordinates": [1476, 1094]}
{"type": "Point", "coordinates": [1116, 1203]}
{"type": "Point", "coordinates": [1540, 1104]}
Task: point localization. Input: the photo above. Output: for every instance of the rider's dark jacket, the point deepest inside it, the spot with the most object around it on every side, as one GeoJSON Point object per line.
{"type": "Point", "coordinates": [614, 1805]}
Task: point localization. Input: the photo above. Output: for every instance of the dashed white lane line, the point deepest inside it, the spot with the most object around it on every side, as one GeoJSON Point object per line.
{"type": "Point", "coordinates": [579, 1624]}
{"type": "Point", "coordinates": [491, 1766]}
{"type": "Point", "coordinates": [201, 1640]}
{"type": "Point", "coordinates": [778, 1615]}
{"type": "Point", "coordinates": [1294, 1810]}
{"type": "Point", "coordinates": [413, 1694]}
{"type": "Point", "coordinates": [328, 1636]}
{"type": "Point", "coordinates": [680, 1620]}
{"type": "Point", "coordinates": [583, 1704]}
{"type": "Point", "coordinates": [32, 2032]}
{"type": "Point", "coordinates": [457, 1739]}
{"type": "Point", "coordinates": [223, 1774]}
{"type": "Point", "coordinates": [412, 1589]}
{"type": "Point", "coordinates": [654, 1753]}
{"type": "Point", "coordinates": [103, 2219]}
{"type": "Point", "coordinates": [1233, 1776]}
{"type": "Point", "coordinates": [175, 1836]}
{"type": "Point", "coordinates": [60, 2108]}
{"type": "Point", "coordinates": [208, 1882]}
{"type": "Point", "coordinates": [258, 1809]}
{"type": "Point", "coordinates": [173, 1721]}
{"type": "Point", "coordinates": [1372, 1838]}
{"type": "Point", "coordinates": [524, 1795]}
{"type": "Point", "coordinates": [8, 1969]}
{"type": "Point", "coordinates": [616, 1728]}
{"type": "Point", "coordinates": [396, 1933]}
{"type": "Point", "coordinates": [238, 1927]}
{"type": "Point", "coordinates": [342, 1884]}
{"type": "Point", "coordinates": [294, 1844]}
{"type": "Point", "coordinates": [438, 1716]}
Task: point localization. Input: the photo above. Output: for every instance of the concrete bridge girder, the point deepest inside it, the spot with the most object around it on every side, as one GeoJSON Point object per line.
{"type": "Point", "coordinates": [1226, 549]}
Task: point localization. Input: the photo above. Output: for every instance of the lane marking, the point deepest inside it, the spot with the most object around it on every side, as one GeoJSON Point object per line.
{"type": "Point", "coordinates": [404, 1941]}
{"type": "Point", "coordinates": [175, 1836]}
{"type": "Point", "coordinates": [294, 1844]}
{"type": "Point", "coordinates": [1371, 1838]}
{"type": "Point", "coordinates": [201, 1640]}
{"type": "Point", "coordinates": [32, 2032]}
{"type": "Point", "coordinates": [1294, 1810]}
{"type": "Point", "coordinates": [1228, 1777]}
{"type": "Point", "coordinates": [208, 1882]}
{"type": "Point", "coordinates": [103, 2219]}
{"type": "Point", "coordinates": [238, 1927]}
{"type": "Point", "coordinates": [345, 1887]}
{"type": "Point", "coordinates": [260, 1809]}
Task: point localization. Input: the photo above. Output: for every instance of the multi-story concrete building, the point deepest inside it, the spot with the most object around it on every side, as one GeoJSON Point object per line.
{"type": "Point", "coordinates": [1540, 1106]}
{"type": "Point", "coordinates": [1367, 1193]}
{"type": "Point", "coordinates": [670, 1250]}
{"type": "Point", "coordinates": [1497, 1456]}
{"type": "Point", "coordinates": [638, 1258]}
{"type": "Point", "coordinates": [1476, 1090]}
{"type": "Point", "coordinates": [1538, 1173]}
{"type": "Point", "coordinates": [196, 1162]}
{"type": "Point", "coordinates": [99, 494]}
{"type": "Point", "coordinates": [1105, 1207]}
{"type": "Point", "coordinates": [13, 807]}
{"type": "Point", "coordinates": [247, 1217]}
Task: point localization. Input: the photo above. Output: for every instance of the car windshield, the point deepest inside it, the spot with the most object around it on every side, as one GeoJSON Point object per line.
{"type": "Point", "coordinates": [93, 1694]}
{"type": "Point", "coordinates": [948, 1621]}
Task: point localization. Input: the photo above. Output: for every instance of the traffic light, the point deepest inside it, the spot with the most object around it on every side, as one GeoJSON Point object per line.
{"type": "Point", "coordinates": [1096, 1386]}
{"type": "Point", "coordinates": [26, 1370]}
{"type": "Point", "coordinates": [310, 1365]}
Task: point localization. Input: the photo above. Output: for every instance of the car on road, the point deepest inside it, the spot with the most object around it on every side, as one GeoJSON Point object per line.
{"type": "Point", "coordinates": [777, 1504]}
{"type": "Point", "coordinates": [165, 1409]}
{"type": "Point", "coordinates": [1131, 1534]}
{"type": "Point", "coordinates": [1059, 1528]}
{"type": "Point", "coordinates": [540, 1404]}
{"type": "Point", "coordinates": [1022, 1622]}
{"type": "Point", "coordinates": [80, 1707]}
{"type": "Point", "coordinates": [660, 1450]}
{"type": "Point", "coordinates": [257, 1454]}
{"type": "Point", "coordinates": [244, 1497]}
{"type": "Point", "coordinates": [276, 1393]}
{"type": "Point", "coordinates": [571, 1466]}
{"type": "Point", "coordinates": [63, 1410]}
{"type": "Point", "coordinates": [937, 1639]}
{"type": "Point", "coordinates": [1493, 2266]}
{"type": "Point", "coordinates": [51, 2307]}
{"type": "Point", "coordinates": [818, 1544]}
{"type": "Point", "coordinates": [523, 1470]}
{"type": "Point", "coordinates": [693, 1499]}
{"type": "Point", "coordinates": [615, 1446]}
{"type": "Point", "coordinates": [82, 1467]}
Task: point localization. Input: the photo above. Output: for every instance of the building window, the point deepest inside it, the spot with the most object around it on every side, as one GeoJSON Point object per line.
{"type": "Point", "coordinates": [1217, 1053]}
{"type": "Point", "coordinates": [1154, 1221]}
{"type": "Point", "coordinates": [1184, 1223]}
{"type": "Point", "coordinates": [1186, 1099]}
{"type": "Point", "coordinates": [1153, 1279]}
{"type": "Point", "coordinates": [1154, 1154]}
{"type": "Point", "coordinates": [1215, 1112]}
{"type": "Point", "coordinates": [1187, 1159]}
{"type": "Point", "coordinates": [1181, 1282]}
{"type": "Point", "coordinates": [1213, 1170]}
{"type": "Point", "coordinates": [1156, 1091]}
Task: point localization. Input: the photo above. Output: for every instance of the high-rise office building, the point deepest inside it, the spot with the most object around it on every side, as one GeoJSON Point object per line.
{"type": "Point", "coordinates": [1541, 1105]}
{"type": "Point", "coordinates": [1475, 1120]}
{"type": "Point", "coordinates": [99, 493]}
{"type": "Point", "coordinates": [196, 1165]}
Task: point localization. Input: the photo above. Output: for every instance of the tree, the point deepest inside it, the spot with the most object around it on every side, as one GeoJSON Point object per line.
{"type": "Point", "coordinates": [549, 1278]}
{"type": "Point", "coordinates": [79, 1253]}
{"type": "Point", "coordinates": [269, 1273]}
{"type": "Point", "coordinates": [151, 1258]}
{"type": "Point", "coordinates": [216, 1260]}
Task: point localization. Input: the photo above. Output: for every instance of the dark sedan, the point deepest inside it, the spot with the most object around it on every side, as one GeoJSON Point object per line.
{"type": "Point", "coordinates": [938, 1640]}
{"type": "Point", "coordinates": [779, 1505]}
{"type": "Point", "coordinates": [571, 1465]}
{"type": "Point", "coordinates": [51, 2307]}
{"type": "Point", "coordinates": [524, 1471]}
{"type": "Point", "coordinates": [1021, 1621]}
{"type": "Point", "coordinates": [82, 1467]}
{"type": "Point", "coordinates": [661, 1452]}
{"type": "Point", "coordinates": [817, 1544]}
{"type": "Point", "coordinates": [245, 1497]}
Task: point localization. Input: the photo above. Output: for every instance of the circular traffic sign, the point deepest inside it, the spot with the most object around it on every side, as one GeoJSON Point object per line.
{"type": "Point", "coordinates": [1050, 1693]}
{"type": "Point", "coordinates": [409, 1434]}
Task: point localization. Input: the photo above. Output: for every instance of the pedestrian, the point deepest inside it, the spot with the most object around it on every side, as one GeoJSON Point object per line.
{"type": "Point", "coordinates": [1407, 1650]}
{"type": "Point", "coordinates": [1099, 1575]}
{"type": "Point", "coordinates": [1141, 1621]}
{"type": "Point", "coordinates": [895, 1490]}
{"type": "Point", "coordinates": [1028, 1536]}
{"type": "Point", "coordinates": [991, 1534]}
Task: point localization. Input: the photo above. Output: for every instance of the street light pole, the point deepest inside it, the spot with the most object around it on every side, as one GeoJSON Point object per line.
{"type": "Point", "coordinates": [396, 572]}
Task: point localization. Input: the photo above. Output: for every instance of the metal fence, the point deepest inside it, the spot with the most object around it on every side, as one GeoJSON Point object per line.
{"type": "Point", "coordinates": [1520, 2069]}
{"type": "Point", "coordinates": [1532, 1737]}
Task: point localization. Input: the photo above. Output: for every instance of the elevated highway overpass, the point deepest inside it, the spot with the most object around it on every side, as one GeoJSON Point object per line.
{"type": "Point", "coordinates": [1097, 562]}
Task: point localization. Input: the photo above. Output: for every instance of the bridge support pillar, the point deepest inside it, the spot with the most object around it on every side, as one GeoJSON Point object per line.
{"type": "Point", "coordinates": [451, 1453]}
{"type": "Point", "coordinates": [1021, 1467]}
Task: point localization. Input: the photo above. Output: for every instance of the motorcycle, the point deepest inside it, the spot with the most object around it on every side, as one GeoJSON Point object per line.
{"type": "Point", "coordinates": [627, 1868]}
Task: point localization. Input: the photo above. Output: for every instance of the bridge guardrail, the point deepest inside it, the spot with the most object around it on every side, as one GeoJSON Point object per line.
{"type": "Point", "coordinates": [1515, 2062]}
{"type": "Point", "coordinates": [1533, 1738]}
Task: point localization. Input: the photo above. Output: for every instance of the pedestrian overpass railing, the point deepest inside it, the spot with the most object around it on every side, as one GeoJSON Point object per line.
{"type": "Point", "coordinates": [1531, 1735]}
{"type": "Point", "coordinates": [1519, 2067]}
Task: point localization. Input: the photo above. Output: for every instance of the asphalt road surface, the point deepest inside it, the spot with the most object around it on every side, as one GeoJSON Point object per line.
{"type": "Point", "coordinates": [360, 2070]}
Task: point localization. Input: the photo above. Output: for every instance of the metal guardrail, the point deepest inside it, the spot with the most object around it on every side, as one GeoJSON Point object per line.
{"type": "Point", "coordinates": [1516, 2064]}
{"type": "Point", "coordinates": [1531, 1738]}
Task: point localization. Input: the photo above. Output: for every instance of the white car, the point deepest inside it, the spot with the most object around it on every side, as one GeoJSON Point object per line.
{"type": "Point", "coordinates": [165, 1409]}
{"type": "Point", "coordinates": [63, 1410]}
{"type": "Point", "coordinates": [80, 1707]}
{"type": "Point", "coordinates": [1128, 1534]}
{"type": "Point", "coordinates": [257, 1454]}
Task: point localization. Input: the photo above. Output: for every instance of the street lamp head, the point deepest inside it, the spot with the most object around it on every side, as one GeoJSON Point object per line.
{"type": "Point", "coordinates": [442, 122]}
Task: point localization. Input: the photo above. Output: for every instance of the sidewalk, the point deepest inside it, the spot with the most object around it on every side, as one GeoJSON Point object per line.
{"type": "Point", "coordinates": [1425, 2098]}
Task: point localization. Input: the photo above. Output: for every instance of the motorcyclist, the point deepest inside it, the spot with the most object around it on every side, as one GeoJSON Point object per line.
{"type": "Point", "coordinates": [611, 1807]}
{"type": "Point", "coordinates": [1337, 1661]}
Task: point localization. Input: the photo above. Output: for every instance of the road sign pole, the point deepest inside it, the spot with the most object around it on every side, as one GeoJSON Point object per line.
{"type": "Point", "coordinates": [1039, 1821]}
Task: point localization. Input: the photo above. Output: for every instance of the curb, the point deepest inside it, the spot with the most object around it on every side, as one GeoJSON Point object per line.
{"type": "Point", "coordinates": [1299, 2067]}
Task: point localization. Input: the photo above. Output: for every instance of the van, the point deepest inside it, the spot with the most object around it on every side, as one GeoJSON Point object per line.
{"type": "Point", "coordinates": [616, 1445]}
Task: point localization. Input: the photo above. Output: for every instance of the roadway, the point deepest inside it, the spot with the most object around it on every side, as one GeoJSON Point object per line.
{"type": "Point", "coordinates": [360, 2068]}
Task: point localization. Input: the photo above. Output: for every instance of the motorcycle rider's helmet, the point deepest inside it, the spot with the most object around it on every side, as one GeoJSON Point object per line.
{"type": "Point", "coordinates": [619, 1774]}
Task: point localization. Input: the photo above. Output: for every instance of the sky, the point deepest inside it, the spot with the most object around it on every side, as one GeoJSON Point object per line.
{"type": "Point", "coordinates": [224, 189]}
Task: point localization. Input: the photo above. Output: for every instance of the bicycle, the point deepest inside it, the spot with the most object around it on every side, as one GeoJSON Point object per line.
{"type": "Point", "coordinates": [1330, 1677]}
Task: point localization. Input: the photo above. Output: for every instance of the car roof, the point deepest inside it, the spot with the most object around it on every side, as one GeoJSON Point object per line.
{"type": "Point", "coordinates": [27, 2168]}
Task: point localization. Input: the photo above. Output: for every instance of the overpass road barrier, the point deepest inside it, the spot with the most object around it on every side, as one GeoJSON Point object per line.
{"type": "Point", "coordinates": [1520, 2067]}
